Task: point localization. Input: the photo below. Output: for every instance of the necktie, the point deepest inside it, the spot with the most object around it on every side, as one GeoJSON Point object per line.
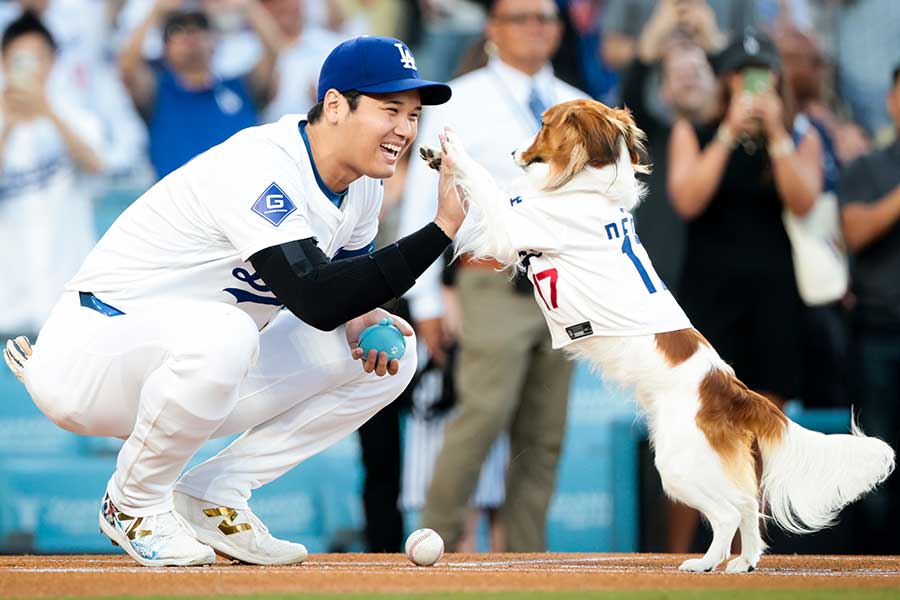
{"type": "Point", "coordinates": [536, 104]}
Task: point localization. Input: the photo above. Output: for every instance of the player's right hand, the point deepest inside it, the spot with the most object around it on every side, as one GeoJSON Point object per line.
{"type": "Point", "coordinates": [375, 362]}
{"type": "Point", "coordinates": [451, 209]}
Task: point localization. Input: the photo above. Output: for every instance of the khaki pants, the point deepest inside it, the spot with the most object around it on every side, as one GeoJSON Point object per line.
{"type": "Point", "coordinates": [508, 379]}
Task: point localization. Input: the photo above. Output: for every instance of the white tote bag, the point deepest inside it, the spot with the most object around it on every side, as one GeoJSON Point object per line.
{"type": "Point", "coordinates": [819, 251]}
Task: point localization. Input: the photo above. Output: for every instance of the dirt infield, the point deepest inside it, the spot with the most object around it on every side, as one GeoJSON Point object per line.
{"type": "Point", "coordinates": [42, 576]}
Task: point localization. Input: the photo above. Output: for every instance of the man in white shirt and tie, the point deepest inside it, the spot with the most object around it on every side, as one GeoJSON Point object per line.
{"type": "Point", "coordinates": [508, 378]}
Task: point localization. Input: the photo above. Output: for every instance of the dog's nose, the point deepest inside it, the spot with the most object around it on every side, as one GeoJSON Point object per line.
{"type": "Point", "coordinates": [513, 153]}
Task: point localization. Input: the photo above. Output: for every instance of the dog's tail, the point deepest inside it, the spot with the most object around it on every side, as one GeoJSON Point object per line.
{"type": "Point", "coordinates": [808, 477]}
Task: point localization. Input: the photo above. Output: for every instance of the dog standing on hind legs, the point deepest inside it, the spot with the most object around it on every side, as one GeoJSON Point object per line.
{"type": "Point", "coordinates": [568, 224]}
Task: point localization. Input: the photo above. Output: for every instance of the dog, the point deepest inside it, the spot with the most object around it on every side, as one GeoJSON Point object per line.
{"type": "Point", "coordinates": [568, 225]}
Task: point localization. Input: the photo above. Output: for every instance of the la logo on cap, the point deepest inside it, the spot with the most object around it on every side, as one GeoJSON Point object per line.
{"type": "Point", "coordinates": [406, 57]}
{"type": "Point", "coordinates": [751, 45]}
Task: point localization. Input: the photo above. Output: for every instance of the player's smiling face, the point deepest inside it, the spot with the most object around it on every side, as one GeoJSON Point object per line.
{"type": "Point", "coordinates": [382, 128]}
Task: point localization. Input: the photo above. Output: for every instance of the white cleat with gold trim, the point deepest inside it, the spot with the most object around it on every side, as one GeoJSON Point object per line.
{"type": "Point", "coordinates": [237, 533]}
{"type": "Point", "coordinates": [163, 540]}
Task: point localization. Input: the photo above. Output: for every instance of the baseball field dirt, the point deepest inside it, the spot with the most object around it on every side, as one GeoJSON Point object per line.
{"type": "Point", "coordinates": [460, 575]}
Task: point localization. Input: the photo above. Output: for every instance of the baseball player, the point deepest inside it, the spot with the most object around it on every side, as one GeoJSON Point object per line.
{"type": "Point", "coordinates": [172, 332]}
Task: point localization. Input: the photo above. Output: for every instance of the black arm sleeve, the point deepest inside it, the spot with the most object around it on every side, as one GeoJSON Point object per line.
{"type": "Point", "coordinates": [327, 294]}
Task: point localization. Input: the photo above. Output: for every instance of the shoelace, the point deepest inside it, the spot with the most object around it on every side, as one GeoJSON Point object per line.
{"type": "Point", "coordinates": [258, 525]}
{"type": "Point", "coordinates": [171, 524]}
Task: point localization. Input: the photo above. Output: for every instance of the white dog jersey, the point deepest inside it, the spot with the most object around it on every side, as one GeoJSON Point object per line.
{"type": "Point", "coordinates": [191, 234]}
{"type": "Point", "coordinates": [590, 272]}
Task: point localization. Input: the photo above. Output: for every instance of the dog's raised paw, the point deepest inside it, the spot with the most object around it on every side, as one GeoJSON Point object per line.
{"type": "Point", "coordinates": [431, 156]}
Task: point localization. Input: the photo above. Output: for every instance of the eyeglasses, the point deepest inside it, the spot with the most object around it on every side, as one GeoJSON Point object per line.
{"type": "Point", "coordinates": [524, 18]}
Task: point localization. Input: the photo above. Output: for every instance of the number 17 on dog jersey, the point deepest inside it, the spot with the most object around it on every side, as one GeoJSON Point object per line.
{"type": "Point", "coordinates": [591, 274]}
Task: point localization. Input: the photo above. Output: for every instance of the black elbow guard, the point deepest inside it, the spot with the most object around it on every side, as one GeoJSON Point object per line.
{"type": "Point", "coordinates": [326, 294]}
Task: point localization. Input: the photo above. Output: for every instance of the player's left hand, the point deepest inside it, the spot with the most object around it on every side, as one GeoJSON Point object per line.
{"type": "Point", "coordinates": [375, 362]}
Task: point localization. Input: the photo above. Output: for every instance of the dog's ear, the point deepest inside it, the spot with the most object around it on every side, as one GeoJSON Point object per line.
{"type": "Point", "coordinates": [600, 134]}
{"type": "Point", "coordinates": [635, 139]}
{"type": "Point", "coordinates": [570, 156]}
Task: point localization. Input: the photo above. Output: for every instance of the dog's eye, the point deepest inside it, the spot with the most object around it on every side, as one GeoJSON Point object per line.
{"type": "Point", "coordinates": [537, 159]}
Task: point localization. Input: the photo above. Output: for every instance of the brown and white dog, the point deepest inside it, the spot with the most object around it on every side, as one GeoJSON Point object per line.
{"type": "Point", "coordinates": [703, 420]}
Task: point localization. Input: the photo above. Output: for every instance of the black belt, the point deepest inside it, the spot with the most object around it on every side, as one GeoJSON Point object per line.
{"type": "Point", "coordinates": [89, 300]}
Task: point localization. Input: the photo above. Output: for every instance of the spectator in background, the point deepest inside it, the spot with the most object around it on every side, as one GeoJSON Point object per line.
{"type": "Point", "coordinates": [508, 377]}
{"type": "Point", "coordinates": [670, 78]}
{"type": "Point", "coordinates": [623, 21]}
{"type": "Point", "coordinates": [300, 60]}
{"type": "Point", "coordinates": [450, 27]}
{"type": "Point", "coordinates": [188, 109]}
{"type": "Point", "coordinates": [869, 192]}
{"type": "Point", "coordinates": [775, 14]}
{"type": "Point", "coordinates": [84, 72]}
{"type": "Point", "coordinates": [732, 179]}
{"type": "Point", "coordinates": [47, 143]}
{"type": "Point", "coordinates": [806, 71]}
{"type": "Point", "coordinates": [433, 398]}
{"type": "Point", "coordinates": [599, 80]}
{"type": "Point", "coordinates": [826, 337]}
{"type": "Point", "coordinates": [348, 18]}
{"type": "Point", "coordinates": [867, 47]}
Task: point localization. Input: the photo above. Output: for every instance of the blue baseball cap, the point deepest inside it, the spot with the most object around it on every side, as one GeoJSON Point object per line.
{"type": "Point", "coordinates": [377, 65]}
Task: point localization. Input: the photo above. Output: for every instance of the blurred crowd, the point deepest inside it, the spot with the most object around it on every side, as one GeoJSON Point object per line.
{"type": "Point", "coordinates": [773, 210]}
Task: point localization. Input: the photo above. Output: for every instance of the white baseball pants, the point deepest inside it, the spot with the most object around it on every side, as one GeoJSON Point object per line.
{"type": "Point", "coordinates": [168, 377]}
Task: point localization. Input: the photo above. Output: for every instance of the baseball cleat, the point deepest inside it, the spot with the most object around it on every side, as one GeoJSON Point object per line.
{"type": "Point", "coordinates": [162, 540]}
{"type": "Point", "coordinates": [237, 533]}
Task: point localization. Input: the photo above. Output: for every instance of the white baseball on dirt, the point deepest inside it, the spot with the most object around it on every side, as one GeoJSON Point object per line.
{"type": "Point", "coordinates": [424, 547]}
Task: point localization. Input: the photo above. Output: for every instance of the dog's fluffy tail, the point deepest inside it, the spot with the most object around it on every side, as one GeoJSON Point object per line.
{"type": "Point", "coordinates": [808, 477]}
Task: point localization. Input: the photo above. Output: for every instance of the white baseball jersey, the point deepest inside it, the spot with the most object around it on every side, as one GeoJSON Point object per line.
{"type": "Point", "coordinates": [190, 236]}
{"type": "Point", "coordinates": [591, 274]}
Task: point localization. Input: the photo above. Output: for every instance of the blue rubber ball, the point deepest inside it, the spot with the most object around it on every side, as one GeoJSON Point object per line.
{"type": "Point", "coordinates": [383, 337]}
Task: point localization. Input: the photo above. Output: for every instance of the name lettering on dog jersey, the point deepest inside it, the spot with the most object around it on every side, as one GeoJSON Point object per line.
{"type": "Point", "coordinates": [516, 200]}
{"type": "Point", "coordinates": [619, 229]}
{"type": "Point", "coordinates": [251, 279]}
